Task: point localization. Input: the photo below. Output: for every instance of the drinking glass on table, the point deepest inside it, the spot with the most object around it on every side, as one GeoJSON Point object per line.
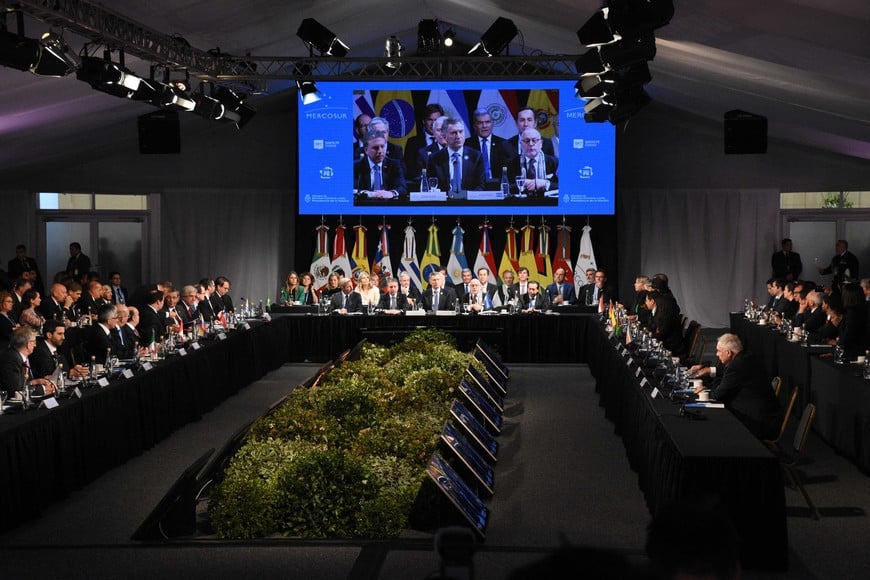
{"type": "Point", "coordinates": [521, 184]}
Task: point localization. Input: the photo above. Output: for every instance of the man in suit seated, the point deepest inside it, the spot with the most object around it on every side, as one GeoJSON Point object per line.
{"type": "Point", "coordinates": [393, 302]}
{"type": "Point", "coordinates": [346, 301]}
{"type": "Point", "coordinates": [739, 381]}
{"type": "Point", "coordinates": [457, 167]}
{"type": "Point", "coordinates": [377, 176]}
{"type": "Point", "coordinates": [221, 297]}
{"type": "Point", "coordinates": [437, 296]}
{"type": "Point", "coordinates": [587, 290]}
{"type": "Point", "coordinates": [119, 293]}
{"type": "Point", "coordinates": [488, 287]}
{"type": "Point", "coordinates": [126, 341]}
{"type": "Point", "coordinates": [477, 300]}
{"type": "Point", "coordinates": [186, 309]}
{"type": "Point", "coordinates": [15, 369]}
{"type": "Point", "coordinates": [360, 128]}
{"type": "Point", "coordinates": [507, 292]}
{"type": "Point", "coordinates": [534, 300]}
{"type": "Point", "coordinates": [538, 168]}
{"type": "Point", "coordinates": [422, 156]}
{"type": "Point", "coordinates": [560, 291]}
{"type": "Point", "coordinates": [462, 288]}
{"type": "Point", "coordinates": [410, 291]}
{"type": "Point", "coordinates": [381, 125]}
{"type": "Point", "coordinates": [150, 326]}
{"type": "Point", "coordinates": [426, 136]}
{"type": "Point", "coordinates": [489, 145]}
{"type": "Point", "coordinates": [100, 336]}
{"type": "Point", "coordinates": [47, 354]}
{"type": "Point", "coordinates": [512, 148]}
{"type": "Point", "coordinates": [52, 307]}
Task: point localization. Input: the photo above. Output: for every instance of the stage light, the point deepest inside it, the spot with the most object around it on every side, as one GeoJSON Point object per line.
{"type": "Point", "coordinates": [449, 37]}
{"type": "Point", "coordinates": [173, 99]}
{"type": "Point", "coordinates": [594, 85]}
{"type": "Point", "coordinates": [106, 76]}
{"type": "Point", "coordinates": [319, 37]}
{"type": "Point", "coordinates": [18, 52]}
{"type": "Point", "coordinates": [634, 17]}
{"type": "Point", "coordinates": [236, 111]}
{"type": "Point", "coordinates": [428, 36]}
{"type": "Point", "coordinates": [629, 51]}
{"type": "Point", "coordinates": [496, 38]}
{"type": "Point", "coordinates": [393, 49]}
{"type": "Point", "coordinates": [597, 30]}
{"type": "Point", "coordinates": [590, 63]}
{"type": "Point", "coordinates": [55, 58]}
{"type": "Point", "coordinates": [309, 92]}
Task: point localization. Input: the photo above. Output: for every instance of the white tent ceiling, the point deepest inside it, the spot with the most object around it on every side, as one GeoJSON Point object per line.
{"type": "Point", "coordinates": [804, 64]}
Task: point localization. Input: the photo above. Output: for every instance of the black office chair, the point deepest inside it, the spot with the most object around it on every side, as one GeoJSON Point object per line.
{"type": "Point", "coordinates": [789, 458]}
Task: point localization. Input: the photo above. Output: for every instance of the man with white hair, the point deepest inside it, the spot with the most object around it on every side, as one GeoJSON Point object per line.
{"type": "Point", "coordinates": [739, 381]}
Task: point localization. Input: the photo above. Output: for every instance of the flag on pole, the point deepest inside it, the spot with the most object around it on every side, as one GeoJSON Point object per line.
{"type": "Point", "coordinates": [381, 264]}
{"type": "Point", "coordinates": [398, 109]}
{"type": "Point", "coordinates": [363, 104]}
{"type": "Point", "coordinates": [503, 118]}
{"type": "Point", "coordinates": [585, 259]}
{"type": "Point", "coordinates": [545, 104]}
{"type": "Point", "coordinates": [409, 262]}
{"type": "Point", "coordinates": [320, 263]}
{"type": "Point", "coordinates": [431, 261]}
{"type": "Point", "coordinates": [542, 257]}
{"type": "Point", "coordinates": [457, 261]}
{"type": "Point", "coordinates": [360, 255]}
{"type": "Point", "coordinates": [527, 251]}
{"type": "Point", "coordinates": [453, 103]}
{"type": "Point", "coordinates": [509, 258]}
{"type": "Point", "coordinates": [485, 259]}
{"type": "Point", "coordinates": [562, 257]}
{"type": "Point", "coordinates": [340, 262]}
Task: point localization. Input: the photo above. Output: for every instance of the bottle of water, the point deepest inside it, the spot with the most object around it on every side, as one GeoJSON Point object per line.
{"type": "Point", "coordinates": [867, 366]}
{"type": "Point", "coordinates": [505, 184]}
{"type": "Point", "coordinates": [108, 364]}
{"type": "Point", "coordinates": [61, 381]}
{"type": "Point", "coordinates": [424, 181]}
{"type": "Point", "coordinates": [92, 368]}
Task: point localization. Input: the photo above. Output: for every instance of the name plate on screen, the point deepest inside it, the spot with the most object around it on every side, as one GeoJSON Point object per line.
{"type": "Point", "coordinates": [221, 336]}
{"type": "Point", "coordinates": [127, 373]}
{"type": "Point", "coordinates": [50, 403]}
{"type": "Point", "coordinates": [415, 313]}
{"type": "Point", "coordinates": [195, 346]}
{"type": "Point", "coordinates": [244, 326]}
{"type": "Point", "coordinates": [182, 352]}
{"type": "Point", "coordinates": [655, 392]}
{"type": "Point", "coordinates": [147, 366]}
{"type": "Point", "coordinates": [77, 393]}
{"type": "Point", "coordinates": [428, 196]}
{"type": "Point", "coordinates": [445, 313]}
{"type": "Point", "coordinates": [103, 382]}
{"type": "Point", "coordinates": [484, 195]}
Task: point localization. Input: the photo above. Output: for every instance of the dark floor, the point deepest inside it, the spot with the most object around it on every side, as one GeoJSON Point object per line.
{"type": "Point", "coordinates": [561, 477]}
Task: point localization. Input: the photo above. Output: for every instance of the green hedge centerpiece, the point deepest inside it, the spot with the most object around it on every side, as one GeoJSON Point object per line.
{"type": "Point", "coordinates": [345, 458]}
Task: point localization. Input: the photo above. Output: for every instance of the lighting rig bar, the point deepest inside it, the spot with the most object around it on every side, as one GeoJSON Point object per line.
{"type": "Point", "coordinates": [103, 26]}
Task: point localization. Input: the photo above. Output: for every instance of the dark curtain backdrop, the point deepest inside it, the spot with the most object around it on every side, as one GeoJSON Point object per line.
{"type": "Point", "coordinates": [714, 245]}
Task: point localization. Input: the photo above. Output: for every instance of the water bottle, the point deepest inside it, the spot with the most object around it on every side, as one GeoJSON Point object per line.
{"type": "Point", "coordinates": [505, 184]}
{"type": "Point", "coordinates": [424, 181]}
{"type": "Point", "coordinates": [867, 366]}
{"type": "Point", "coordinates": [61, 381]}
{"type": "Point", "coordinates": [92, 368]}
{"type": "Point", "coordinates": [108, 364]}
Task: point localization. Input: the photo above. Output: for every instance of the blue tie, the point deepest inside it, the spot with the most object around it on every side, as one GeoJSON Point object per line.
{"type": "Point", "coordinates": [485, 150]}
{"type": "Point", "coordinates": [377, 183]}
{"type": "Point", "coordinates": [457, 173]}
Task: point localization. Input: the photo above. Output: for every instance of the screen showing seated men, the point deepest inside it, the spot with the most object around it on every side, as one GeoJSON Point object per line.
{"type": "Point", "coordinates": [436, 148]}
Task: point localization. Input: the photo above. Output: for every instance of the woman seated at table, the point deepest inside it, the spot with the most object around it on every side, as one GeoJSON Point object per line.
{"type": "Point", "coordinates": [291, 292]}
{"type": "Point", "coordinates": [369, 294]}
{"type": "Point", "coordinates": [664, 321]}
{"type": "Point", "coordinates": [29, 316]}
{"type": "Point", "coordinates": [7, 325]}
{"type": "Point", "coordinates": [831, 329]}
{"type": "Point", "coordinates": [309, 292]}
{"type": "Point", "coordinates": [332, 286]}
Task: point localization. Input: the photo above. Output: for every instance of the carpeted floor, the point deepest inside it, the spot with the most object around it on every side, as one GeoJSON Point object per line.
{"type": "Point", "coordinates": [561, 478]}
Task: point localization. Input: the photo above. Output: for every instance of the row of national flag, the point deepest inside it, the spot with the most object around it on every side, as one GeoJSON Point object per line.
{"type": "Point", "coordinates": [531, 251]}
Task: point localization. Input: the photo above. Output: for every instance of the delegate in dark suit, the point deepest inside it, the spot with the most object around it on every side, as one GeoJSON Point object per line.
{"type": "Point", "coordinates": [42, 362]}
{"type": "Point", "coordinates": [11, 371]}
{"type": "Point", "coordinates": [98, 343]}
{"type": "Point", "coordinates": [511, 150]}
{"type": "Point", "coordinates": [547, 179]}
{"type": "Point", "coordinates": [352, 302]}
{"type": "Point", "coordinates": [150, 325]}
{"type": "Point", "coordinates": [385, 303]}
{"type": "Point", "coordinates": [539, 302]}
{"type": "Point", "coordinates": [565, 290]}
{"type": "Point", "coordinates": [7, 325]}
{"type": "Point", "coordinates": [51, 310]}
{"type": "Point", "coordinates": [745, 389]}
{"type": "Point", "coordinates": [472, 169]}
{"type": "Point", "coordinates": [393, 152]}
{"type": "Point", "coordinates": [495, 149]}
{"type": "Point", "coordinates": [446, 299]}
{"type": "Point", "coordinates": [393, 176]}
{"type": "Point", "coordinates": [786, 265]}
{"type": "Point", "coordinates": [843, 266]}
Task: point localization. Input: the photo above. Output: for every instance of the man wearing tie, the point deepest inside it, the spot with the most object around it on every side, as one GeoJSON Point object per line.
{"type": "Point", "coordinates": [422, 140]}
{"type": "Point", "coordinates": [489, 145]}
{"type": "Point", "coordinates": [477, 299]}
{"type": "Point", "coordinates": [346, 301]}
{"type": "Point", "coordinates": [437, 296]}
{"type": "Point", "coordinates": [560, 292]}
{"type": "Point", "coordinates": [52, 307]}
{"type": "Point", "coordinates": [15, 369]}
{"type": "Point", "coordinates": [534, 301]}
{"type": "Point", "coordinates": [513, 147]}
{"type": "Point", "coordinates": [538, 168]}
{"type": "Point", "coordinates": [458, 168]}
{"type": "Point", "coordinates": [119, 293]}
{"type": "Point", "coordinates": [186, 309]}
{"type": "Point", "coordinates": [377, 176]}
{"type": "Point", "coordinates": [124, 338]}
{"type": "Point", "coordinates": [393, 302]}
{"type": "Point", "coordinates": [47, 354]}
{"type": "Point", "coordinates": [462, 288]}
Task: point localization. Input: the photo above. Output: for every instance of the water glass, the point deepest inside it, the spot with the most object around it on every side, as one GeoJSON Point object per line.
{"type": "Point", "coordinates": [838, 354]}
{"type": "Point", "coordinates": [433, 184]}
{"type": "Point", "coordinates": [521, 183]}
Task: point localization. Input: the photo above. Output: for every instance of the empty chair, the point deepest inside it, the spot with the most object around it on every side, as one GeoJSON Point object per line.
{"type": "Point", "coordinates": [789, 458]}
{"type": "Point", "coordinates": [774, 443]}
{"type": "Point", "coordinates": [776, 383]}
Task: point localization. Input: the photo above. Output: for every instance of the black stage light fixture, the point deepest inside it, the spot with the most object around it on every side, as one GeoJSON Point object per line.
{"type": "Point", "coordinates": [55, 58]}
{"type": "Point", "coordinates": [590, 63]}
{"type": "Point", "coordinates": [309, 92]}
{"type": "Point", "coordinates": [449, 38]}
{"type": "Point", "coordinates": [174, 99]}
{"type": "Point", "coordinates": [634, 17]}
{"type": "Point", "coordinates": [319, 37]}
{"type": "Point", "coordinates": [597, 30]}
{"type": "Point", "coordinates": [629, 51]}
{"type": "Point", "coordinates": [496, 38]}
{"type": "Point", "coordinates": [393, 49]}
{"type": "Point", "coordinates": [18, 52]}
{"type": "Point", "coordinates": [236, 111]}
{"type": "Point", "coordinates": [428, 36]}
{"type": "Point", "coordinates": [106, 76]}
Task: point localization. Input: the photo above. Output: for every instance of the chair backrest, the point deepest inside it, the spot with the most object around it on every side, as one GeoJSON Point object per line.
{"type": "Point", "coordinates": [791, 401]}
{"type": "Point", "coordinates": [776, 383]}
{"type": "Point", "coordinates": [698, 353]}
{"type": "Point", "coordinates": [803, 430]}
{"type": "Point", "coordinates": [693, 331]}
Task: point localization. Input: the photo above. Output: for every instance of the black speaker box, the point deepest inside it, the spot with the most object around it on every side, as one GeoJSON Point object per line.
{"type": "Point", "coordinates": [745, 132]}
{"type": "Point", "coordinates": [159, 132]}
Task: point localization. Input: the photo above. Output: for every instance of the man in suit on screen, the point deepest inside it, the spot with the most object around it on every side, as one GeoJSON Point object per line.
{"type": "Point", "coordinates": [457, 167]}
{"type": "Point", "coordinates": [377, 176]}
